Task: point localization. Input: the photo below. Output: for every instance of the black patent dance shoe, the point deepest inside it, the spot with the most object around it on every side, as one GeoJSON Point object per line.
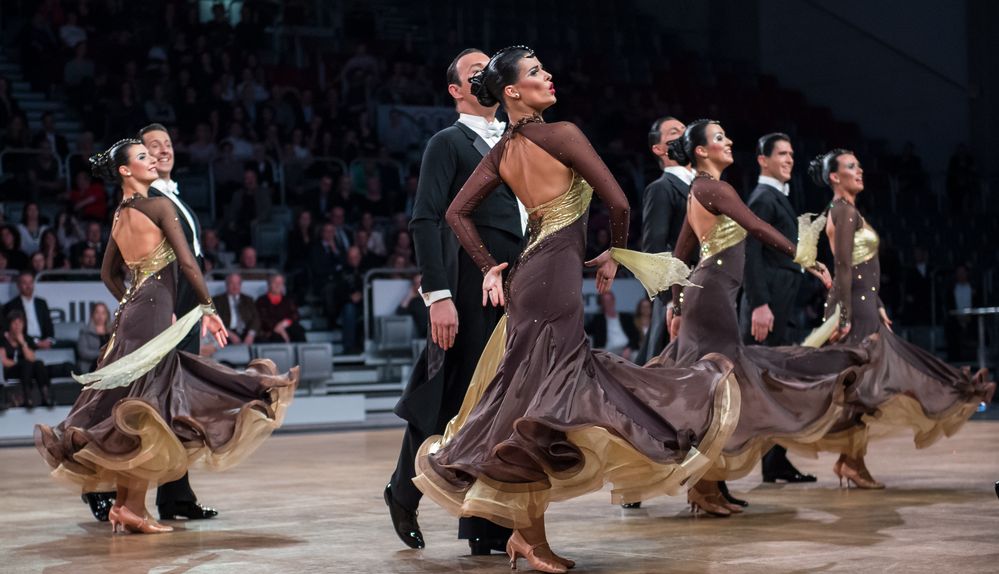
{"type": "Point", "coordinates": [632, 505]}
{"type": "Point", "coordinates": [188, 510]}
{"type": "Point", "coordinates": [997, 489]}
{"type": "Point", "coordinates": [404, 521]}
{"type": "Point", "coordinates": [791, 475]}
{"type": "Point", "coordinates": [486, 546]}
{"type": "Point", "coordinates": [723, 487]}
{"type": "Point", "coordinates": [100, 504]}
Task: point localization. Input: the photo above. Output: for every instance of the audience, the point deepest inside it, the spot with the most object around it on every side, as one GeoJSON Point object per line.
{"type": "Point", "coordinates": [17, 354]}
{"type": "Point", "coordinates": [93, 336]}
{"type": "Point", "coordinates": [237, 311]}
{"type": "Point", "coordinates": [278, 314]}
{"type": "Point", "coordinates": [34, 312]}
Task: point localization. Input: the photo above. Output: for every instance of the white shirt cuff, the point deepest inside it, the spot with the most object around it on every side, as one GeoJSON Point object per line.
{"type": "Point", "coordinates": [435, 296]}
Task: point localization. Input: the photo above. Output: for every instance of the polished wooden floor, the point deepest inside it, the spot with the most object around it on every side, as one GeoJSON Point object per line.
{"type": "Point", "coordinates": [312, 503]}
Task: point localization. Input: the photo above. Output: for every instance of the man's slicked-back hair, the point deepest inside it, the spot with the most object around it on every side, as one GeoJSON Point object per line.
{"type": "Point", "coordinates": [452, 70]}
{"type": "Point", "coordinates": [152, 128]}
{"type": "Point", "coordinates": [765, 145]}
{"type": "Point", "coordinates": [656, 131]}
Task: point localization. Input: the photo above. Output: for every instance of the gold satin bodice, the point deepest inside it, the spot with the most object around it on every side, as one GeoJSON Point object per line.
{"type": "Point", "coordinates": [559, 213]}
{"type": "Point", "coordinates": [153, 263]}
{"type": "Point", "coordinates": [865, 244]}
{"type": "Point", "coordinates": [723, 235]}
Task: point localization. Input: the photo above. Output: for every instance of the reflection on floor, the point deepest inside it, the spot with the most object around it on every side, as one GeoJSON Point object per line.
{"type": "Point", "coordinates": [312, 503]}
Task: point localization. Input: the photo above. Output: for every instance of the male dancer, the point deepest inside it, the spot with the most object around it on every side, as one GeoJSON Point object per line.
{"type": "Point", "coordinates": [452, 288]}
{"type": "Point", "coordinates": [664, 207]}
{"type": "Point", "coordinates": [175, 498]}
{"type": "Point", "coordinates": [772, 278]}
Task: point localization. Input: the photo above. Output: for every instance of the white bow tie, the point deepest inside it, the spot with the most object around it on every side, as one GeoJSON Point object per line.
{"type": "Point", "coordinates": [166, 186]}
{"type": "Point", "coordinates": [495, 129]}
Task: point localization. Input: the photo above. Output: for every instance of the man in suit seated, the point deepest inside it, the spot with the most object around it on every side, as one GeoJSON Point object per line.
{"type": "Point", "coordinates": [613, 331]}
{"type": "Point", "coordinates": [238, 311]}
{"type": "Point", "coordinates": [37, 321]}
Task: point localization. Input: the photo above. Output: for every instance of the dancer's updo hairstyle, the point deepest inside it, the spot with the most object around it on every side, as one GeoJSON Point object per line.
{"type": "Point", "coordinates": [106, 163]}
{"type": "Point", "coordinates": [502, 70]}
{"type": "Point", "coordinates": [681, 150]}
{"type": "Point", "coordinates": [825, 164]}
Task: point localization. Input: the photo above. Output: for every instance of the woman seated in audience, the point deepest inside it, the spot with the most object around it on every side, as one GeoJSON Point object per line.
{"type": "Point", "coordinates": [17, 354]}
{"type": "Point", "coordinates": [93, 337]}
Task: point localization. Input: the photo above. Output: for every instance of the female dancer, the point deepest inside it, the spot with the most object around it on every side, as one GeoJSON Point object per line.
{"type": "Point", "coordinates": [789, 392]}
{"type": "Point", "coordinates": [905, 386]}
{"type": "Point", "coordinates": [150, 410]}
{"type": "Point", "coordinates": [559, 419]}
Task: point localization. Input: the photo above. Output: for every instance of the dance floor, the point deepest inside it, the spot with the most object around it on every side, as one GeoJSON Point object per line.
{"type": "Point", "coordinates": [312, 503]}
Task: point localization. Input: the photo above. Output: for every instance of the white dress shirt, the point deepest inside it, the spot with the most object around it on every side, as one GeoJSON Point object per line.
{"type": "Point", "coordinates": [490, 132]}
{"type": "Point", "coordinates": [685, 174]}
{"type": "Point", "coordinates": [776, 184]}
{"type": "Point", "coordinates": [169, 189]}
{"type": "Point", "coordinates": [617, 340]}
{"type": "Point", "coordinates": [31, 325]}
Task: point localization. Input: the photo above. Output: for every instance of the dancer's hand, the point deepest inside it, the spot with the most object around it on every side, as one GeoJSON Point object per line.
{"type": "Point", "coordinates": [443, 323]}
{"type": "Point", "coordinates": [820, 271]}
{"type": "Point", "coordinates": [884, 317]}
{"type": "Point", "coordinates": [213, 324]}
{"type": "Point", "coordinates": [492, 286]}
{"type": "Point", "coordinates": [606, 271]}
{"type": "Point", "coordinates": [840, 333]}
{"type": "Point", "coordinates": [762, 323]}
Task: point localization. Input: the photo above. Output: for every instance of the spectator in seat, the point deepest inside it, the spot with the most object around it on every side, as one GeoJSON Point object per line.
{"type": "Point", "coordinates": [369, 259]}
{"type": "Point", "coordinates": [49, 139]}
{"type": "Point", "coordinates": [88, 198]}
{"type": "Point", "coordinates": [34, 311]}
{"type": "Point", "coordinates": [10, 246]}
{"type": "Point", "coordinates": [412, 304]}
{"type": "Point", "coordinates": [202, 150]}
{"type": "Point", "coordinates": [613, 331]}
{"type": "Point", "coordinates": [92, 240]}
{"type": "Point", "coordinates": [350, 299]}
{"type": "Point", "coordinates": [51, 251]}
{"type": "Point", "coordinates": [17, 353]}
{"type": "Point", "coordinates": [376, 239]}
{"type": "Point", "coordinates": [238, 311]}
{"type": "Point", "coordinates": [93, 336]}
{"type": "Point", "coordinates": [246, 206]}
{"type": "Point", "coordinates": [278, 314]}
{"type": "Point", "coordinates": [248, 266]}
{"type": "Point", "coordinates": [31, 228]}
{"type": "Point", "coordinates": [962, 331]}
{"type": "Point", "coordinates": [88, 259]}
{"type": "Point", "coordinates": [403, 246]}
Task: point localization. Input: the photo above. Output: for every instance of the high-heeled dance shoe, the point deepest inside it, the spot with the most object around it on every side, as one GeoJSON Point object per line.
{"type": "Point", "coordinates": [842, 469]}
{"type": "Point", "coordinates": [704, 502]}
{"type": "Point", "coordinates": [123, 519]}
{"type": "Point", "coordinates": [517, 547]}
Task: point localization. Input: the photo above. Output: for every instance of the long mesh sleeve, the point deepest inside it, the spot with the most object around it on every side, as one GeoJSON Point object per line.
{"type": "Point", "coordinates": [480, 184]}
{"type": "Point", "coordinates": [686, 247]}
{"type": "Point", "coordinates": [845, 221]}
{"type": "Point", "coordinates": [163, 213]}
{"type": "Point", "coordinates": [565, 142]}
{"type": "Point", "coordinates": [720, 198]}
{"type": "Point", "coordinates": [111, 272]}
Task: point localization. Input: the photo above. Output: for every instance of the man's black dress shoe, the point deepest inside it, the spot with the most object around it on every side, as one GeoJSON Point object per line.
{"type": "Point", "coordinates": [632, 505]}
{"type": "Point", "coordinates": [100, 504]}
{"type": "Point", "coordinates": [404, 521]}
{"type": "Point", "coordinates": [789, 476]}
{"type": "Point", "coordinates": [997, 489]}
{"type": "Point", "coordinates": [188, 510]}
{"type": "Point", "coordinates": [728, 495]}
{"type": "Point", "coordinates": [486, 546]}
